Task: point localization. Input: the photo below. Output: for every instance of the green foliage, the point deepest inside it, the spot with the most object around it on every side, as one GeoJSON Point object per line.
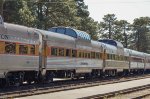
{"type": "Point", "coordinates": [107, 26]}
{"type": "Point", "coordinates": [140, 29]}
{"type": "Point", "coordinates": [1, 7]}
{"type": "Point", "coordinates": [55, 13]}
{"type": "Point", "coordinates": [86, 23]}
{"type": "Point", "coordinates": [82, 9]}
{"type": "Point", "coordinates": [148, 42]}
{"type": "Point", "coordinates": [90, 26]}
{"type": "Point", "coordinates": [18, 12]}
{"type": "Point", "coordinates": [122, 28]}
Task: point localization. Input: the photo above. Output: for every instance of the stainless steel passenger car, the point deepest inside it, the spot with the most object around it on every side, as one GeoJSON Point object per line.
{"type": "Point", "coordinates": [34, 55]}
{"type": "Point", "coordinates": [18, 54]}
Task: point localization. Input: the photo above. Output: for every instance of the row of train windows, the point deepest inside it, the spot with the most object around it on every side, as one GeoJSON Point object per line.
{"type": "Point", "coordinates": [148, 61]}
{"type": "Point", "coordinates": [95, 55]}
{"type": "Point", "coordinates": [13, 48]}
{"type": "Point", "coordinates": [137, 59]}
{"type": "Point", "coordinates": [63, 52]}
{"type": "Point", "coordinates": [73, 53]}
{"type": "Point", "coordinates": [83, 54]}
{"type": "Point", "coordinates": [116, 57]}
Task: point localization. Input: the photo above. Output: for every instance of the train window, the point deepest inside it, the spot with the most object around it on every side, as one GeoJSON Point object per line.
{"type": "Point", "coordinates": [89, 55]}
{"type": "Point", "coordinates": [61, 30]}
{"type": "Point", "coordinates": [110, 56]}
{"type": "Point", "coordinates": [126, 58]}
{"type": "Point", "coordinates": [74, 53]}
{"type": "Point", "coordinates": [123, 58]}
{"type": "Point", "coordinates": [83, 55]}
{"type": "Point", "coordinates": [148, 60]}
{"type": "Point", "coordinates": [86, 55]}
{"type": "Point", "coordinates": [140, 60]}
{"type": "Point", "coordinates": [70, 32]}
{"type": "Point", "coordinates": [97, 56]}
{"type": "Point", "coordinates": [52, 29]}
{"type": "Point", "coordinates": [119, 57]}
{"type": "Point", "coordinates": [92, 54]}
{"type": "Point", "coordinates": [133, 59]}
{"type": "Point", "coordinates": [54, 51]}
{"type": "Point", "coordinates": [23, 49]}
{"type": "Point", "coordinates": [10, 48]}
{"type": "Point", "coordinates": [113, 57]}
{"type": "Point", "coordinates": [136, 59]}
{"type": "Point", "coordinates": [68, 52]}
{"type": "Point", "coordinates": [107, 56]}
{"type": "Point", "coordinates": [32, 49]}
{"type": "Point", "coordinates": [101, 55]}
{"type": "Point", "coordinates": [80, 54]}
{"type": "Point", "coordinates": [116, 57]}
{"type": "Point", "coordinates": [61, 52]}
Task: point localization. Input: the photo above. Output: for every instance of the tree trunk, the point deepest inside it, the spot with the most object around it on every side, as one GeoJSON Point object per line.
{"type": "Point", "coordinates": [1, 7]}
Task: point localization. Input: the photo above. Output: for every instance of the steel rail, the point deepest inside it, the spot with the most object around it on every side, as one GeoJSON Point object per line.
{"type": "Point", "coordinates": [36, 89]}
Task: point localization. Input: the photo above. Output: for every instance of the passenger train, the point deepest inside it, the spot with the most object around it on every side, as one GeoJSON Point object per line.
{"type": "Point", "coordinates": [34, 55]}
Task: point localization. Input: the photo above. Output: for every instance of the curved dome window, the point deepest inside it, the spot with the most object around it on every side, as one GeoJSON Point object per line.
{"type": "Point", "coordinates": [71, 32]}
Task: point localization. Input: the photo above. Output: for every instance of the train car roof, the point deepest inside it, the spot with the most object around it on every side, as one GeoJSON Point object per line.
{"type": "Point", "coordinates": [147, 55]}
{"type": "Point", "coordinates": [136, 53]}
{"type": "Point", "coordinates": [96, 45]}
{"type": "Point", "coordinates": [71, 32]}
{"type": "Point", "coordinates": [126, 52]}
{"type": "Point", "coordinates": [112, 42]}
{"type": "Point", "coordinates": [110, 48]}
{"type": "Point", "coordinates": [19, 28]}
{"type": "Point", "coordinates": [50, 35]}
{"type": "Point", "coordinates": [19, 33]}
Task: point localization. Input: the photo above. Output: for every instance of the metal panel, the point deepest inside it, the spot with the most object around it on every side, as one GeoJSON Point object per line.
{"type": "Point", "coordinates": [18, 63]}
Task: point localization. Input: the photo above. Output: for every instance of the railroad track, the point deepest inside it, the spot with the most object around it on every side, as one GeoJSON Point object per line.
{"type": "Point", "coordinates": [131, 93]}
{"type": "Point", "coordinates": [36, 89]}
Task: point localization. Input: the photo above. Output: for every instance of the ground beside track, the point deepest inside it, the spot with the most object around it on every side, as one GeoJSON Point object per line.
{"type": "Point", "coordinates": [90, 91]}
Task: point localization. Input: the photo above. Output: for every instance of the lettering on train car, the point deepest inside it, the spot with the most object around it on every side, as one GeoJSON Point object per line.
{"type": "Point", "coordinates": [84, 63]}
{"type": "Point", "coordinates": [2, 36]}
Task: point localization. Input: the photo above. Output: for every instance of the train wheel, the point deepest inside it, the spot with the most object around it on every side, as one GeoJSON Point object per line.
{"type": "Point", "coordinates": [14, 78]}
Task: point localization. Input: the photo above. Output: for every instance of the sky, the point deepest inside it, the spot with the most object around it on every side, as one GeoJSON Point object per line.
{"type": "Point", "coordinates": [123, 9]}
